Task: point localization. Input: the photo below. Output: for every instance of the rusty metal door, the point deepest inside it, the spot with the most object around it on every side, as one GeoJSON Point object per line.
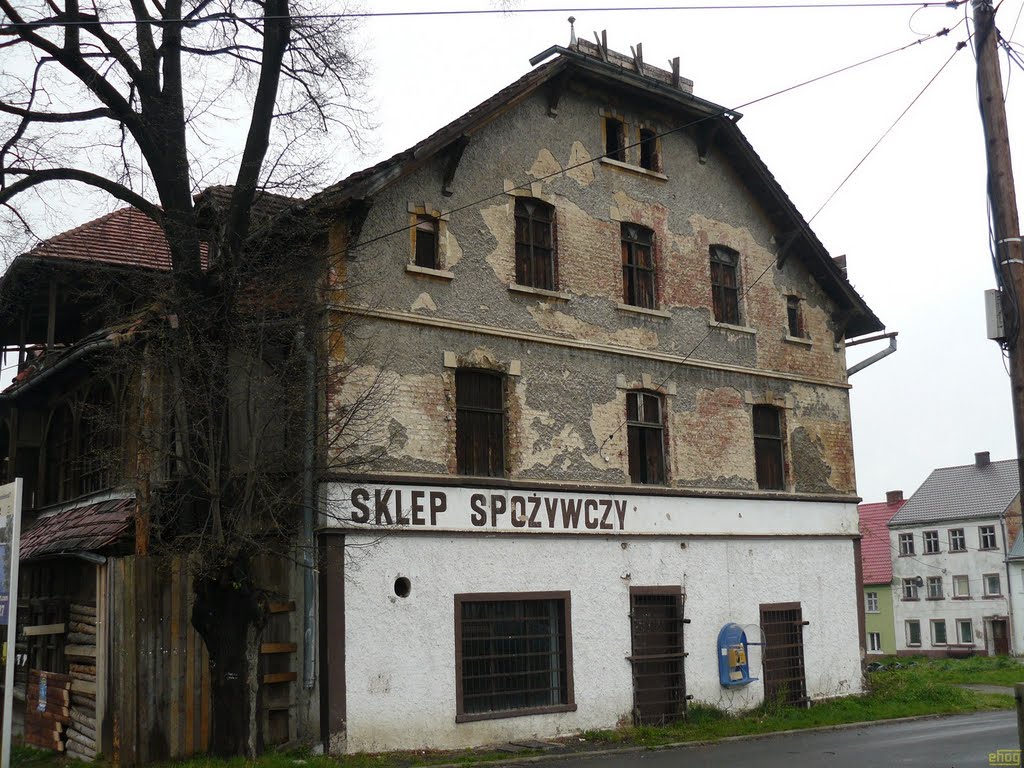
{"type": "Point", "coordinates": [659, 677]}
{"type": "Point", "coordinates": [784, 678]}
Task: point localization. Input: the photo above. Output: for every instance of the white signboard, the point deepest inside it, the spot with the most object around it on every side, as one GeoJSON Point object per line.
{"type": "Point", "coordinates": [10, 536]}
{"type": "Point", "coordinates": [487, 510]}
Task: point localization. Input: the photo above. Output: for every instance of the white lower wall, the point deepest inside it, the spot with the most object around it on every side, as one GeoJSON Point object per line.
{"type": "Point", "coordinates": [400, 654]}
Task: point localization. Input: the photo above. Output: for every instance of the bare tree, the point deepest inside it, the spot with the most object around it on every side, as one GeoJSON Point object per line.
{"type": "Point", "coordinates": [136, 98]}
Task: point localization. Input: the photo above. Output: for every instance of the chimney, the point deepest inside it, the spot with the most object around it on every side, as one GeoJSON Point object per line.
{"type": "Point", "coordinates": [982, 459]}
{"type": "Point", "coordinates": [893, 497]}
{"type": "Point", "coordinates": [840, 261]}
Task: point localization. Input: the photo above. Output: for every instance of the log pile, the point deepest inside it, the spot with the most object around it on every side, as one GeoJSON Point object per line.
{"type": "Point", "coordinates": [80, 652]}
{"type": "Point", "coordinates": [47, 709]}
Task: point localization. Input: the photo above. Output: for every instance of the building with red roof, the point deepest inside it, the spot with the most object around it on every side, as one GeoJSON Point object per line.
{"type": "Point", "coordinates": [876, 572]}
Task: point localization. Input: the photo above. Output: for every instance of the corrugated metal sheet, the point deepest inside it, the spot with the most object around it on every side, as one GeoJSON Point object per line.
{"type": "Point", "coordinates": [962, 493]}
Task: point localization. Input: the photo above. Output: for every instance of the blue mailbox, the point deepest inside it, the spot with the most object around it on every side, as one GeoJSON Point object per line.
{"type": "Point", "coordinates": [733, 668]}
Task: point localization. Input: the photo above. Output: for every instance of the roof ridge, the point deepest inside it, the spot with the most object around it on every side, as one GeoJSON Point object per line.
{"type": "Point", "coordinates": [61, 236]}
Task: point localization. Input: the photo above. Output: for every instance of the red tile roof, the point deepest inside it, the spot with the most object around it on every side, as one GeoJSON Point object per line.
{"type": "Point", "coordinates": [126, 238]}
{"type": "Point", "coordinates": [79, 529]}
{"type": "Point", "coordinates": [875, 551]}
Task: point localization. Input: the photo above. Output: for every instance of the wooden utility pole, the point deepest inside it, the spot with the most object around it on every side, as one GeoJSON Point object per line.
{"type": "Point", "coordinates": [1009, 254]}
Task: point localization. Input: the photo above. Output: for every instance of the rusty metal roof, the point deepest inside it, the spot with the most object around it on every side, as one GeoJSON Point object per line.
{"type": "Point", "coordinates": [87, 528]}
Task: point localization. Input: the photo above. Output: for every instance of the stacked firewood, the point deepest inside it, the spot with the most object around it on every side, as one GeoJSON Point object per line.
{"type": "Point", "coordinates": [47, 709]}
{"type": "Point", "coordinates": [80, 652]}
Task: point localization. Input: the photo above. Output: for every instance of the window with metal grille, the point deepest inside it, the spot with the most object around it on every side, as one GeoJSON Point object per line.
{"type": "Point", "coordinates": [725, 284]}
{"type": "Point", "coordinates": [931, 542]}
{"type": "Point", "coordinates": [913, 628]}
{"type": "Point", "coordinates": [637, 266]}
{"type": "Point", "coordinates": [513, 654]}
{"type": "Point", "coordinates": [957, 540]}
{"type": "Point", "coordinates": [871, 602]}
{"type": "Point", "coordinates": [60, 456]}
{"type": "Point", "coordinates": [906, 544]}
{"type": "Point", "coordinates": [479, 423]}
{"type": "Point", "coordinates": [987, 536]}
{"type": "Point", "coordinates": [965, 631]}
{"type": "Point", "coordinates": [934, 587]}
{"type": "Point", "coordinates": [938, 632]}
{"type": "Point", "coordinates": [657, 659]}
{"type": "Point", "coordinates": [645, 431]}
{"type": "Point", "coordinates": [535, 243]}
{"type": "Point", "coordinates": [783, 654]}
{"type": "Point", "coordinates": [794, 317]}
{"type": "Point", "coordinates": [425, 236]}
{"type": "Point", "coordinates": [614, 139]}
{"type": "Point", "coordinates": [99, 440]}
{"type": "Point", "coordinates": [769, 460]}
{"type": "Point", "coordinates": [649, 150]}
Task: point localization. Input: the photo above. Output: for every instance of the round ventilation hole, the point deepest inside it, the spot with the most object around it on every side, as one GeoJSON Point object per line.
{"type": "Point", "coordinates": [403, 586]}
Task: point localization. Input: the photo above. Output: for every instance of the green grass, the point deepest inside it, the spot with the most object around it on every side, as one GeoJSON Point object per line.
{"type": "Point", "coordinates": [930, 687]}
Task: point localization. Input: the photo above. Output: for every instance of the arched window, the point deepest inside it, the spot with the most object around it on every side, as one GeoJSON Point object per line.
{"type": "Point", "coordinates": [98, 440]}
{"type": "Point", "coordinates": [59, 456]}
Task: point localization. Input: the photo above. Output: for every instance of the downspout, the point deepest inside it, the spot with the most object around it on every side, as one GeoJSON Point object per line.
{"type": "Point", "coordinates": [1012, 639]}
{"type": "Point", "coordinates": [64, 362]}
{"type": "Point", "coordinates": [308, 504]}
{"type": "Point", "coordinates": [875, 357]}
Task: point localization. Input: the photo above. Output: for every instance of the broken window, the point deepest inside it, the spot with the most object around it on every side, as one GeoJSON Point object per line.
{"type": "Point", "coordinates": [649, 150]}
{"type": "Point", "coordinates": [987, 536]}
{"type": "Point", "coordinates": [535, 243]}
{"type": "Point", "coordinates": [646, 437]}
{"type": "Point", "coordinates": [614, 139]}
{"type": "Point", "coordinates": [725, 291]}
{"type": "Point", "coordinates": [425, 236]}
{"type": "Point", "coordinates": [638, 266]}
{"type": "Point", "coordinates": [479, 423]}
{"type": "Point", "coordinates": [794, 317]}
{"type": "Point", "coordinates": [768, 453]}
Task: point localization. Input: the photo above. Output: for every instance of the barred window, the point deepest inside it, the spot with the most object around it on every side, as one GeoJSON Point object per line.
{"type": "Point", "coordinates": [512, 654]}
{"type": "Point", "coordinates": [535, 243]}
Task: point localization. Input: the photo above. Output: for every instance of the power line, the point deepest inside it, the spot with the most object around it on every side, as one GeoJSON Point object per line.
{"type": "Point", "coordinates": [232, 18]}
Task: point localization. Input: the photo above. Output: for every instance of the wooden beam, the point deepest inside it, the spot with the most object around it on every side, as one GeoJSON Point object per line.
{"type": "Point", "coordinates": [268, 648]}
{"type": "Point", "coordinates": [45, 629]}
{"type": "Point", "coordinates": [281, 677]}
{"type": "Point", "coordinates": [454, 158]}
{"type": "Point", "coordinates": [554, 88]}
{"type": "Point", "coordinates": [285, 607]}
{"type": "Point", "coordinates": [638, 58]}
{"type": "Point", "coordinates": [674, 63]}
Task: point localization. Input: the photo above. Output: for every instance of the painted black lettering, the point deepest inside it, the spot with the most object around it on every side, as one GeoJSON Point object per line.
{"type": "Point", "coordinates": [518, 517]}
{"type": "Point", "coordinates": [479, 516]}
{"type": "Point", "coordinates": [590, 505]}
{"type": "Point", "coordinates": [438, 504]}
{"type": "Point", "coordinates": [551, 507]}
{"type": "Point", "coordinates": [361, 513]}
{"type": "Point", "coordinates": [381, 510]}
{"type": "Point", "coordinates": [399, 519]}
{"type": "Point", "coordinates": [620, 510]}
{"type": "Point", "coordinates": [606, 524]}
{"type": "Point", "coordinates": [570, 513]}
{"type": "Point", "coordinates": [498, 504]}
{"type": "Point", "coordinates": [535, 504]}
{"type": "Point", "coordinates": [416, 508]}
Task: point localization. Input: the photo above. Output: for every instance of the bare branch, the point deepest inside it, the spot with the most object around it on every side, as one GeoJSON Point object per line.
{"type": "Point", "coordinates": [32, 178]}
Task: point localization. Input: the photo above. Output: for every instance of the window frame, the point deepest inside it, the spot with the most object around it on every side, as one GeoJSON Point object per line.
{"type": "Point", "coordinates": [871, 598]}
{"type": "Point", "coordinates": [536, 264]}
{"type": "Point", "coordinates": [874, 642]}
{"type": "Point", "coordinates": [930, 543]}
{"type": "Point", "coordinates": [909, 588]}
{"type": "Point", "coordinates": [987, 532]}
{"type": "Point", "coordinates": [762, 441]}
{"type": "Point", "coordinates": [929, 583]}
{"type": "Point", "coordinates": [959, 631]}
{"type": "Point", "coordinates": [909, 635]}
{"type": "Point", "coordinates": [725, 299]}
{"type": "Point", "coordinates": [648, 143]}
{"type": "Point", "coordinates": [462, 423]}
{"type": "Point", "coordinates": [795, 317]}
{"type": "Point", "coordinates": [957, 535]}
{"type": "Point", "coordinates": [933, 624]}
{"type": "Point", "coordinates": [906, 541]}
{"type": "Point", "coordinates": [432, 224]}
{"type": "Point", "coordinates": [614, 127]}
{"type": "Point", "coordinates": [461, 716]}
{"type": "Point", "coordinates": [637, 429]}
{"type": "Point", "coordinates": [639, 279]}
{"type": "Point", "coordinates": [985, 584]}
{"type": "Point", "coordinates": [961, 578]}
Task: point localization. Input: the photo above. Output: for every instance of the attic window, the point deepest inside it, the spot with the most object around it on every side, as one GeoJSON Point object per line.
{"type": "Point", "coordinates": [425, 236]}
{"type": "Point", "coordinates": [614, 139]}
{"type": "Point", "coordinates": [649, 150]}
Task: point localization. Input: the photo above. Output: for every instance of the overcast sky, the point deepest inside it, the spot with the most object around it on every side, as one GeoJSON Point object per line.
{"type": "Point", "coordinates": [912, 220]}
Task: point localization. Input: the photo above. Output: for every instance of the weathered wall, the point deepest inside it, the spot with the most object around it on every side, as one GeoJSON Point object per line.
{"type": "Point", "coordinates": [401, 651]}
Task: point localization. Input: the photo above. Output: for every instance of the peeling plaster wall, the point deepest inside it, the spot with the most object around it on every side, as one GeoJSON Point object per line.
{"type": "Point", "coordinates": [566, 402]}
{"type": "Point", "coordinates": [401, 655]}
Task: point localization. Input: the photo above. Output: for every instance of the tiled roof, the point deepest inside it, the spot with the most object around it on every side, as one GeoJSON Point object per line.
{"type": "Point", "coordinates": [126, 237]}
{"type": "Point", "coordinates": [961, 493]}
{"type": "Point", "coordinates": [79, 529]}
{"type": "Point", "coordinates": [875, 552]}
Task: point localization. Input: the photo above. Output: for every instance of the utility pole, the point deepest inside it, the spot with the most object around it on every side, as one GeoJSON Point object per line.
{"type": "Point", "coordinates": [1009, 254]}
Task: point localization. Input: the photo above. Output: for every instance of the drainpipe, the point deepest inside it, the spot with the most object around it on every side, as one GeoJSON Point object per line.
{"type": "Point", "coordinates": [875, 357]}
{"type": "Point", "coordinates": [308, 504]}
{"type": "Point", "coordinates": [1012, 639]}
{"type": "Point", "coordinates": [64, 362]}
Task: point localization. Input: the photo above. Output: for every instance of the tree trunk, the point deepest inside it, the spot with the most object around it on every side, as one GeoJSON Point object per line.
{"type": "Point", "coordinates": [229, 614]}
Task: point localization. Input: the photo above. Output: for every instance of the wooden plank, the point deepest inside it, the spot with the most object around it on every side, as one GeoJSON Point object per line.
{"type": "Point", "coordinates": [282, 607]}
{"type": "Point", "coordinates": [280, 677]}
{"type": "Point", "coordinates": [190, 719]}
{"type": "Point", "coordinates": [269, 648]}
{"type": "Point", "coordinates": [177, 659]}
{"type": "Point", "coordinates": [80, 651]}
{"type": "Point", "coordinates": [51, 677]}
{"type": "Point", "coordinates": [84, 688]}
{"type": "Point", "coordinates": [88, 610]}
{"type": "Point", "coordinates": [45, 629]}
{"type": "Point", "coordinates": [102, 653]}
{"type": "Point", "coordinates": [130, 677]}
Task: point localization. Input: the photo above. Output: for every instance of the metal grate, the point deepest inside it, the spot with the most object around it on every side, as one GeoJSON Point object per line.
{"type": "Point", "coordinates": [659, 677]}
{"type": "Point", "coordinates": [784, 678]}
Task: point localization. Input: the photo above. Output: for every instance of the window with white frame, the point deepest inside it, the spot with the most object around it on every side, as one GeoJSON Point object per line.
{"type": "Point", "coordinates": [906, 544]}
{"type": "Point", "coordinates": [957, 540]}
{"type": "Point", "coordinates": [931, 542]}
{"type": "Point", "coordinates": [987, 536]}
{"type": "Point", "coordinates": [993, 587]}
{"type": "Point", "coordinates": [910, 589]}
{"type": "Point", "coordinates": [939, 632]}
{"type": "Point", "coordinates": [874, 642]}
{"type": "Point", "coordinates": [913, 627]}
{"type": "Point", "coordinates": [961, 586]}
{"type": "Point", "coordinates": [871, 602]}
{"type": "Point", "coordinates": [934, 587]}
{"type": "Point", "coordinates": [964, 632]}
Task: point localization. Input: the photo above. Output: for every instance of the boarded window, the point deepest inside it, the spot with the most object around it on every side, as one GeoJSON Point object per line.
{"type": "Point", "coordinates": [638, 266]}
{"type": "Point", "coordinates": [659, 680]}
{"type": "Point", "coordinates": [646, 437]}
{"type": "Point", "coordinates": [768, 454]}
{"type": "Point", "coordinates": [480, 423]}
{"type": "Point", "coordinates": [426, 242]}
{"type": "Point", "coordinates": [512, 655]}
{"type": "Point", "coordinates": [649, 150]}
{"type": "Point", "coordinates": [614, 139]}
{"type": "Point", "coordinates": [725, 291]}
{"type": "Point", "coordinates": [535, 244]}
{"type": "Point", "coordinates": [794, 317]}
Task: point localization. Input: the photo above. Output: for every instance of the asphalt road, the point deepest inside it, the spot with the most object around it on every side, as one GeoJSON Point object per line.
{"type": "Point", "coordinates": [948, 742]}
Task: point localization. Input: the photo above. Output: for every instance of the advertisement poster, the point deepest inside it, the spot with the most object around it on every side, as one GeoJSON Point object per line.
{"type": "Point", "coordinates": [10, 533]}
